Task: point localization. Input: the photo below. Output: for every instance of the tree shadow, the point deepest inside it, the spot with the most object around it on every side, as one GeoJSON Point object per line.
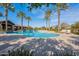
{"type": "Point", "coordinates": [3, 48]}
{"type": "Point", "coordinates": [75, 37]}
{"type": "Point", "coordinates": [7, 39]}
{"type": "Point", "coordinates": [11, 37]}
{"type": "Point", "coordinates": [75, 40]}
{"type": "Point", "coordinates": [48, 47]}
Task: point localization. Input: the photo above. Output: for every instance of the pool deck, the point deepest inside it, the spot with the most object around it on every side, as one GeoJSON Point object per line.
{"type": "Point", "coordinates": [64, 40]}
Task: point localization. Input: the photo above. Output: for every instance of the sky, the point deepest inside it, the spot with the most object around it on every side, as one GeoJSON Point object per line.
{"type": "Point", "coordinates": [70, 16]}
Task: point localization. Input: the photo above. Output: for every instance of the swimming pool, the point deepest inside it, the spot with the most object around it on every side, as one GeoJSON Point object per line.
{"type": "Point", "coordinates": [35, 34]}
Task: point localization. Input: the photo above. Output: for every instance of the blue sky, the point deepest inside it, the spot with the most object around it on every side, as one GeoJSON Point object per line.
{"type": "Point", "coordinates": [70, 16]}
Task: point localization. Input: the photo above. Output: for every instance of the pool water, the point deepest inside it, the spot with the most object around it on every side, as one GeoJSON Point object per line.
{"type": "Point", "coordinates": [35, 34]}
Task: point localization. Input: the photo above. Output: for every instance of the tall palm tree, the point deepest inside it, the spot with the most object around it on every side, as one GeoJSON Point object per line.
{"type": "Point", "coordinates": [28, 20]}
{"type": "Point", "coordinates": [1, 23]}
{"type": "Point", "coordinates": [32, 6]}
{"type": "Point", "coordinates": [7, 6]}
{"type": "Point", "coordinates": [47, 18]}
{"type": "Point", "coordinates": [21, 15]}
{"type": "Point", "coordinates": [60, 6]}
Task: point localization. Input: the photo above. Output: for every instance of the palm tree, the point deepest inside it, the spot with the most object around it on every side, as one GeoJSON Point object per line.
{"type": "Point", "coordinates": [1, 16]}
{"type": "Point", "coordinates": [7, 6]}
{"type": "Point", "coordinates": [60, 6]}
{"type": "Point", "coordinates": [47, 18]}
{"type": "Point", "coordinates": [39, 5]}
{"type": "Point", "coordinates": [21, 15]}
{"type": "Point", "coordinates": [75, 28]}
{"type": "Point", "coordinates": [28, 19]}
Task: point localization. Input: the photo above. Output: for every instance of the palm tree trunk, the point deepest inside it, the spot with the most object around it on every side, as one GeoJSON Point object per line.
{"type": "Point", "coordinates": [6, 17]}
{"type": "Point", "coordinates": [22, 23]}
{"type": "Point", "coordinates": [49, 24]}
{"type": "Point", "coordinates": [46, 24]}
{"type": "Point", "coordinates": [58, 11]}
{"type": "Point", "coordinates": [28, 23]}
{"type": "Point", "coordinates": [0, 27]}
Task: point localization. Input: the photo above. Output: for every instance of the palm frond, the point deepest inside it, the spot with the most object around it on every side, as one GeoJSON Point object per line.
{"type": "Point", "coordinates": [47, 14]}
{"type": "Point", "coordinates": [11, 8]}
{"type": "Point", "coordinates": [28, 18]}
{"type": "Point", "coordinates": [63, 6]}
{"type": "Point", "coordinates": [21, 14]}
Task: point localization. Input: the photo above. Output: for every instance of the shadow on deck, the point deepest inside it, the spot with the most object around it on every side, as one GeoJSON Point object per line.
{"type": "Point", "coordinates": [11, 37]}
{"type": "Point", "coordinates": [49, 47]}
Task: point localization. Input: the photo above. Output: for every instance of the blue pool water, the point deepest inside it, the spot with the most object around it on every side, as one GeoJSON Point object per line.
{"type": "Point", "coordinates": [35, 34]}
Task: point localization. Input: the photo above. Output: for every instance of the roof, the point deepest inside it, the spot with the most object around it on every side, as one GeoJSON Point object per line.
{"type": "Point", "coordinates": [10, 22]}
{"type": "Point", "coordinates": [3, 21]}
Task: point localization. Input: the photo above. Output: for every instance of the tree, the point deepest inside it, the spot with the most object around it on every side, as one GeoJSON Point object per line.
{"type": "Point", "coordinates": [21, 15]}
{"type": "Point", "coordinates": [32, 6]}
{"type": "Point", "coordinates": [75, 28]}
{"type": "Point", "coordinates": [1, 23]}
{"type": "Point", "coordinates": [7, 6]}
{"type": "Point", "coordinates": [28, 19]}
{"type": "Point", "coordinates": [47, 18]}
{"type": "Point", "coordinates": [60, 6]}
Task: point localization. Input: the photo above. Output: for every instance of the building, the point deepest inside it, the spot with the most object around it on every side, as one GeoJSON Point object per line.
{"type": "Point", "coordinates": [65, 28]}
{"type": "Point", "coordinates": [10, 26]}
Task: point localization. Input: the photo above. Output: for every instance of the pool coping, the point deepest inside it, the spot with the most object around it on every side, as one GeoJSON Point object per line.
{"type": "Point", "coordinates": [32, 37]}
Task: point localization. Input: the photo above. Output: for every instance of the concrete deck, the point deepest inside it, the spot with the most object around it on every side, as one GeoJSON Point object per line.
{"type": "Point", "coordinates": [64, 42]}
